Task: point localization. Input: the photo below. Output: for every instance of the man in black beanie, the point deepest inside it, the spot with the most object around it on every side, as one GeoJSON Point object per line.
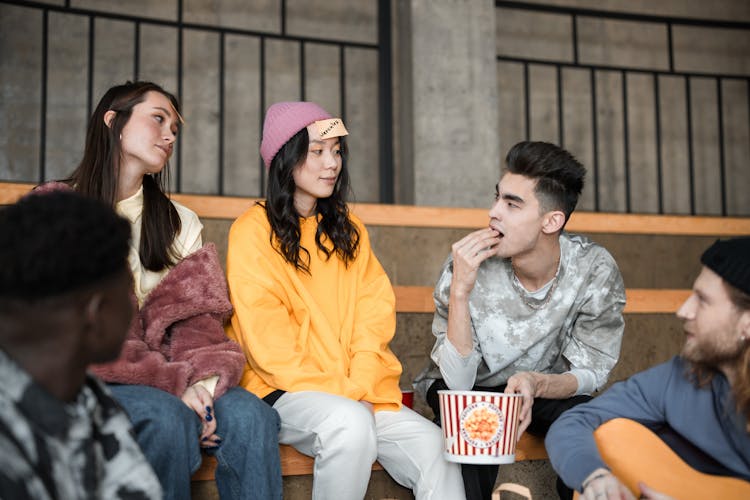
{"type": "Point", "coordinates": [698, 403]}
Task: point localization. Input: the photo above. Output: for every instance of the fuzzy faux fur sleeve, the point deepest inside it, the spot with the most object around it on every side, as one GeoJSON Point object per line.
{"type": "Point", "coordinates": [177, 337]}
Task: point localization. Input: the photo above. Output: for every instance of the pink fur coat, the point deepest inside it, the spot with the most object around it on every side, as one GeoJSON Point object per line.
{"type": "Point", "coordinates": [177, 338]}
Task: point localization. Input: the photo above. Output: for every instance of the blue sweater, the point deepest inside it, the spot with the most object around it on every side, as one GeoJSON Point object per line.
{"type": "Point", "coordinates": [660, 398]}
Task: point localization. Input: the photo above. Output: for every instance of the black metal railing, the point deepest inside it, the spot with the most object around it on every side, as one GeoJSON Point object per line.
{"type": "Point", "coordinates": [382, 47]}
{"type": "Point", "coordinates": [596, 69]}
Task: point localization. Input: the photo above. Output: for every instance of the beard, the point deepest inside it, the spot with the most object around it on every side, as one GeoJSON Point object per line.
{"type": "Point", "coordinates": [712, 354]}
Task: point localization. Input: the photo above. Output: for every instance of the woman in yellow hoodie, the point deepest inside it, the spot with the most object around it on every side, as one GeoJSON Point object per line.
{"type": "Point", "coordinates": [314, 313]}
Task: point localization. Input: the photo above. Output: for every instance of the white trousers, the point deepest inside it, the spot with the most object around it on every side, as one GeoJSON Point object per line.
{"type": "Point", "coordinates": [345, 438]}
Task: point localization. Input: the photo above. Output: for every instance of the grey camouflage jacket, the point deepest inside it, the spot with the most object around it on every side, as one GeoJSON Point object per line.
{"type": "Point", "coordinates": [579, 331]}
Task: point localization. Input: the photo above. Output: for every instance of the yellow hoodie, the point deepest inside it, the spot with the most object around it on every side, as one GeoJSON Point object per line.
{"type": "Point", "coordinates": [327, 331]}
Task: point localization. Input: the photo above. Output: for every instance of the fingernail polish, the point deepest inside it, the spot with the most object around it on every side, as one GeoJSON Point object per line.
{"type": "Point", "coordinates": [208, 409]}
{"type": "Point", "coordinates": [209, 418]}
{"type": "Point", "coordinates": [204, 439]}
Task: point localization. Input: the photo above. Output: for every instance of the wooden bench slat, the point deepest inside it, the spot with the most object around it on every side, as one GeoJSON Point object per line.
{"type": "Point", "coordinates": [418, 299]}
{"type": "Point", "coordinates": [530, 448]}
{"type": "Point", "coordinates": [231, 207]}
{"type": "Point", "coordinates": [294, 463]}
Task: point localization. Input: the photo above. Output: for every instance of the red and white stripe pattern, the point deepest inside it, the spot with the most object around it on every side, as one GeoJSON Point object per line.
{"type": "Point", "coordinates": [456, 406]}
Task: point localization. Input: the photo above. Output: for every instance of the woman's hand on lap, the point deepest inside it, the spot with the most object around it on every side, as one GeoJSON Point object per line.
{"type": "Point", "coordinates": [200, 400]}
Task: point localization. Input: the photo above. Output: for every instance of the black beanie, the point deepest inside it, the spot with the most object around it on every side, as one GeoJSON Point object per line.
{"type": "Point", "coordinates": [730, 259]}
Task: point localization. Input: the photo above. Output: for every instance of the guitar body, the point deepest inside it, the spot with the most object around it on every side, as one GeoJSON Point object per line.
{"type": "Point", "coordinates": [634, 454]}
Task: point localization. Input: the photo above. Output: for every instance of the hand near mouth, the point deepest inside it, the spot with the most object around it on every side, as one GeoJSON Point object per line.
{"type": "Point", "coordinates": [468, 254]}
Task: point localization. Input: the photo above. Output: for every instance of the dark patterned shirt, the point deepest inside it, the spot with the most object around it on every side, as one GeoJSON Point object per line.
{"type": "Point", "coordinates": [67, 451]}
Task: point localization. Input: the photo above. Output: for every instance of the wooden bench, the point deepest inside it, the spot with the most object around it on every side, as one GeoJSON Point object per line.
{"type": "Point", "coordinates": [294, 463]}
{"type": "Point", "coordinates": [231, 207]}
{"type": "Point", "coordinates": [418, 299]}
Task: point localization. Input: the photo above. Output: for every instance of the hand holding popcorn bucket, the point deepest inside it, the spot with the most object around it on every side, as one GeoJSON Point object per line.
{"type": "Point", "coordinates": [479, 427]}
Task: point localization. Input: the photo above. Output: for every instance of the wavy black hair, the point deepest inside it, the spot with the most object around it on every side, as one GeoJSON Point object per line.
{"type": "Point", "coordinates": [98, 173]}
{"type": "Point", "coordinates": [332, 212]}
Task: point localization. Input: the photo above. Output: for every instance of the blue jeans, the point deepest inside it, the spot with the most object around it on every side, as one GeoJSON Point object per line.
{"type": "Point", "coordinates": [168, 433]}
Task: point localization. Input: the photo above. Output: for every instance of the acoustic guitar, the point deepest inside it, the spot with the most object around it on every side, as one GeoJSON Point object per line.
{"type": "Point", "coordinates": [634, 453]}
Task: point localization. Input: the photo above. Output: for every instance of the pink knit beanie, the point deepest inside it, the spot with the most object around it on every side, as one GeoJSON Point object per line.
{"type": "Point", "coordinates": [283, 120]}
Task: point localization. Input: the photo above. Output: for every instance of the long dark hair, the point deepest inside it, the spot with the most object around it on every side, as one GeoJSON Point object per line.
{"type": "Point", "coordinates": [98, 173]}
{"type": "Point", "coordinates": [332, 212]}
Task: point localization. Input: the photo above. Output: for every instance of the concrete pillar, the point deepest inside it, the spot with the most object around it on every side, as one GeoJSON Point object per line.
{"type": "Point", "coordinates": [456, 157]}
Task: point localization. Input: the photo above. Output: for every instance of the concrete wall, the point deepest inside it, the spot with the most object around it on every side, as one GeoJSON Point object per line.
{"type": "Point", "coordinates": [459, 102]}
{"type": "Point", "coordinates": [627, 79]}
{"type": "Point", "coordinates": [294, 68]}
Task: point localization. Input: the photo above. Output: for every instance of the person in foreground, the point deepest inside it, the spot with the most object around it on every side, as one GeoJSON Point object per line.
{"type": "Point", "coordinates": [524, 307]}
{"type": "Point", "coordinates": [698, 402]}
{"type": "Point", "coordinates": [178, 372]}
{"type": "Point", "coordinates": [314, 313]}
{"type": "Point", "coordinates": [64, 303]}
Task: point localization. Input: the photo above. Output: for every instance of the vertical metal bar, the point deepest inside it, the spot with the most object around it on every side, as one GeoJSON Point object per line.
{"type": "Point", "coordinates": [657, 120]}
{"type": "Point", "coordinates": [180, 69]}
{"type": "Point", "coordinates": [385, 102]}
{"type": "Point", "coordinates": [670, 47]}
{"type": "Point", "coordinates": [722, 159]}
{"type": "Point", "coordinates": [302, 70]}
{"type": "Point", "coordinates": [342, 81]}
{"type": "Point", "coordinates": [574, 19]}
{"type": "Point", "coordinates": [43, 99]}
{"type": "Point", "coordinates": [526, 101]}
{"type": "Point", "coordinates": [136, 50]}
{"type": "Point", "coordinates": [90, 76]}
{"type": "Point", "coordinates": [691, 173]}
{"type": "Point", "coordinates": [626, 139]}
{"type": "Point", "coordinates": [595, 136]}
{"type": "Point", "coordinates": [560, 118]}
{"type": "Point", "coordinates": [283, 17]}
{"type": "Point", "coordinates": [222, 117]}
{"type": "Point", "coordinates": [262, 87]}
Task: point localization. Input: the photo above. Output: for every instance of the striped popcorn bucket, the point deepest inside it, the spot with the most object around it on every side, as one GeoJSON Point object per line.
{"type": "Point", "coordinates": [479, 427]}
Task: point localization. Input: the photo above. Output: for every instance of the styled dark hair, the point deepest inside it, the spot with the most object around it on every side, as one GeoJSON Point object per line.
{"type": "Point", "coordinates": [98, 173]}
{"type": "Point", "coordinates": [333, 213]}
{"type": "Point", "coordinates": [558, 174]}
{"type": "Point", "coordinates": [59, 242]}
